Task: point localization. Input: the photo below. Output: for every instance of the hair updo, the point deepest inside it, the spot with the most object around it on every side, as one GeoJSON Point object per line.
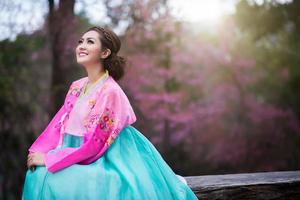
{"type": "Point", "coordinates": [114, 63]}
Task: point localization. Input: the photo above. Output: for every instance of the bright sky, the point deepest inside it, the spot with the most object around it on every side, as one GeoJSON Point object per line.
{"type": "Point", "coordinates": [204, 11]}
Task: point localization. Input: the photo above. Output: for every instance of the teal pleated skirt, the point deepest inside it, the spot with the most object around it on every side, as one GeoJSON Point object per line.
{"type": "Point", "coordinates": [131, 168]}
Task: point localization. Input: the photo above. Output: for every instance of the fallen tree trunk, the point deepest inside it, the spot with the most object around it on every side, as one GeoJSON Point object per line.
{"type": "Point", "coordinates": [264, 185]}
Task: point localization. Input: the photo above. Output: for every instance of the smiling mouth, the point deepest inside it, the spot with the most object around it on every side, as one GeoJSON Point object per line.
{"type": "Point", "coordinates": [82, 54]}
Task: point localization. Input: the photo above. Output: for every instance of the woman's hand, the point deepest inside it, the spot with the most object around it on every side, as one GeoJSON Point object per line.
{"type": "Point", "coordinates": [34, 159]}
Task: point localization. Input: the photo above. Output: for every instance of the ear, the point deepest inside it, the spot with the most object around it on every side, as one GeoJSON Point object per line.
{"type": "Point", "coordinates": [105, 53]}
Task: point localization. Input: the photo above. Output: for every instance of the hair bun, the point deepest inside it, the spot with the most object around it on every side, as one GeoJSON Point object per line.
{"type": "Point", "coordinates": [115, 65]}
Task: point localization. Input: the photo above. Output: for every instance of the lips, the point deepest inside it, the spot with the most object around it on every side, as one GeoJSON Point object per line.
{"type": "Point", "coordinates": [82, 54]}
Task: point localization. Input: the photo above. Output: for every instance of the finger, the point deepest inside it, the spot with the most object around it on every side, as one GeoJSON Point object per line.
{"type": "Point", "coordinates": [32, 157]}
{"type": "Point", "coordinates": [30, 163]}
{"type": "Point", "coordinates": [32, 168]}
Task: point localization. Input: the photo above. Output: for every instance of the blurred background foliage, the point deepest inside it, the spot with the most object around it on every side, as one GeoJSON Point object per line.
{"type": "Point", "coordinates": [221, 100]}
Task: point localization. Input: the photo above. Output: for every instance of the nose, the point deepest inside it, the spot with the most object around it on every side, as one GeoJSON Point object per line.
{"type": "Point", "coordinates": [81, 46]}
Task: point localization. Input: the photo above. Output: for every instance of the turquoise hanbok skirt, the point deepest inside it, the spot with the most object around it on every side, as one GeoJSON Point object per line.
{"type": "Point", "coordinates": [131, 168]}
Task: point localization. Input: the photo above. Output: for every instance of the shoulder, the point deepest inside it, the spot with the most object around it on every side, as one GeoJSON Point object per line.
{"type": "Point", "coordinates": [77, 84]}
{"type": "Point", "coordinates": [79, 81]}
{"type": "Point", "coordinates": [111, 87]}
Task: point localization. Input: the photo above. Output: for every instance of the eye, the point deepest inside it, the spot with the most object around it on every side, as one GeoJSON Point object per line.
{"type": "Point", "coordinates": [79, 41]}
{"type": "Point", "coordinates": [91, 41]}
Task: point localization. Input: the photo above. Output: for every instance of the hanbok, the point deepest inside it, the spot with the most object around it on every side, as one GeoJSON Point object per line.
{"type": "Point", "coordinates": [130, 167]}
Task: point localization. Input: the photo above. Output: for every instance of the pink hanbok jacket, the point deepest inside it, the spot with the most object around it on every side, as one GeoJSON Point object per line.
{"type": "Point", "coordinates": [109, 112]}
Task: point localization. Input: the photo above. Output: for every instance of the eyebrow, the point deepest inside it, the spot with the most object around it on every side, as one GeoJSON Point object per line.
{"type": "Point", "coordinates": [88, 38]}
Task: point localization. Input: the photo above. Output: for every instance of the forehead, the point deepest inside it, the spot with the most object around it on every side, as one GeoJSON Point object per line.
{"type": "Point", "coordinates": [91, 33]}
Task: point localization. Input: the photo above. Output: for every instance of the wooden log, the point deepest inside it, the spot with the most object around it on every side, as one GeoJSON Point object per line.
{"type": "Point", "coordinates": [283, 185]}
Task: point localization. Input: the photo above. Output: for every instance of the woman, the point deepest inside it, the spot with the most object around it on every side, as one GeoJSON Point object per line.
{"type": "Point", "coordinates": [90, 150]}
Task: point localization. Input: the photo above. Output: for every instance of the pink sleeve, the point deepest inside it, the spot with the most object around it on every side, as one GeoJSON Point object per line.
{"type": "Point", "coordinates": [108, 117]}
{"type": "Point", "coordinates": [48, 139]}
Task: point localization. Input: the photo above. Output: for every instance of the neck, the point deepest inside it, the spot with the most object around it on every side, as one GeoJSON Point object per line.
{"type": "Point", "coordinates": [94, 72]}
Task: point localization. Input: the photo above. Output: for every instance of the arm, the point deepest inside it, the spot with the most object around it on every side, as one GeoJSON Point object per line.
{"type": "Point", "coordinates": [48, 139]}
{"type": "Point", "coordinates": [108, 117]}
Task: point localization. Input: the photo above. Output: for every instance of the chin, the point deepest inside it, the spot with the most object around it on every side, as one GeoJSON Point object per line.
{"type": "Point", "coordinates": [82, 61]}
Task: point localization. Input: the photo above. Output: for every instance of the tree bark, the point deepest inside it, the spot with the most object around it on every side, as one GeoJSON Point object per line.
{"type": "Point", "coordinates": [60, 25]}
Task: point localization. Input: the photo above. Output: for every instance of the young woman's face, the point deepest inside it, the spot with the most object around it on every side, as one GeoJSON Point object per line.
{"type": "Point", "coordinates": [88, 50]}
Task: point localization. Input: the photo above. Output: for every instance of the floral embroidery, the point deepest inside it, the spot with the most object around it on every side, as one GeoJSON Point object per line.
{"type": "Point", "coordinates": [104, 87]}
{"type": "Point", "coordinates": [75, 91]}
{"type": "Point", "coordinates": [110, 140]}
{"type": "Point", "coordinates": [106, 121]}
{"type": "Point", "coordinates": [115, 133]}
{"type": "Point", "coordinates": [91, 121]}
{"type": "Point", "coordinates": [92, 103]}
{"type": "Point", "coordinates": [113, 136]}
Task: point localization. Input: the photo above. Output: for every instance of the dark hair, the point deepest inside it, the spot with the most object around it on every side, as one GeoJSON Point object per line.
{"type": "Point", "coordinates": [114, 63]}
